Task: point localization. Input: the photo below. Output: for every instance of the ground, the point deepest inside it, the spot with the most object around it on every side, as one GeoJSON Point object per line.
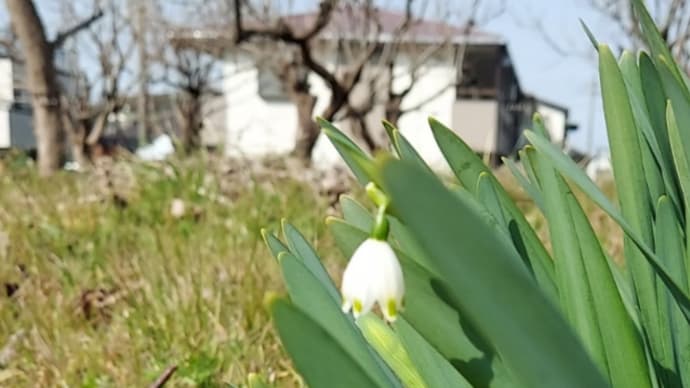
{"type": "Point", "coordinates": [103, 286]}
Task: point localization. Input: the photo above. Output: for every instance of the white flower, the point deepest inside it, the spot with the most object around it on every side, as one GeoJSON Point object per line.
{"type": "Point", "coordinates": [373, 275]}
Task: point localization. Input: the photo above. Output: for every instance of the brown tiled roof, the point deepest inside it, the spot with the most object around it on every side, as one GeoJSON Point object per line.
{"type": "Point", "coordinates": [352, 23]}
{"type": "Point", "coordinates": [348, 22]}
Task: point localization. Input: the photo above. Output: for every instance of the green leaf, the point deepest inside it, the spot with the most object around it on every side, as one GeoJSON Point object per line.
{"type": "Point", "coordinates": [319, 358]}
{"type": "Point", "coordinates": [389, 347]}
{"type": "Point", "coordinates": [303, 250]}
{"type": "Point", "coordinates": [274, 244]}
{"type": "Point", "coordinates": [655, 41]}
{"type": "Point", "coordinates": [676, 93]}
{"type": "Point", "coordinates": [468, 260]}
{"type": "Point", "coordinates": [529, 187]}
{"type": "Point", "coordinates": [568, 168]}
{"type": "Point", "coordinates": [678, 152]}
{"type": "Point", "coordinates": [655, 99]}
{"type": "Point", "coordinates": [623, 344]}
{"type": "Point", "coordinates": [359, 162]}
{"type": "Point", "coordinates": [308, 293]}
{"type": "Point", "coordinates": [668, 237]}
{"type": "Point", "coordinates": [573, 285]}
{"type": "Point", "coordinates": [590, 35]}
{"type": "Point", "coordinates": [347, 236]}
{"type": "Point", "coordinates": [485, 190]}
{"type": "Point", "coordinates": [633, 194]}
{"type": "Point", "coordinates": [436, 371]}
{"type": "Point", "coordinates": [467, 167]}
{"type": "Point", "coordinates": [390, 128]}
{"type": "Point", "coordinates": [355, 213]}
{"type": "Point", "coordinates": [407, 152]}
{"type": "Point", "coordinates": [650, 151]}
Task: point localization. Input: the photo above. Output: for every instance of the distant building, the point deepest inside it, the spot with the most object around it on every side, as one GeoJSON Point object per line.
{"type": "Point", "coordinates": [484, 104]}
{"type": "Point", "coordinates": [16, 130]}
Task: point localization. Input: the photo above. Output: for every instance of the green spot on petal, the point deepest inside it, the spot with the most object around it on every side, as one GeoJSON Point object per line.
{"type": "Point", "coordinates": [392, 309]}
{"type": "Point", "coordinates": [357, 306]}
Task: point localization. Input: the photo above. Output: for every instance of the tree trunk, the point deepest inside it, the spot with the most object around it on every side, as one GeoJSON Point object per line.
{"type": "Point", "coordinates": [360, 129]}
{"type": "Point", "coordinates": [191, 122]}
{"type": "Point", "coordinates": [42, 83]}
{"type": "Point", "coordinates": [143, 100]}
{"type": "Point", "coordinates": [307, 129]}
{"type": "Point", "coordinates": [76, 131]}
{"type": "Point", "coordinates": [393, 110]}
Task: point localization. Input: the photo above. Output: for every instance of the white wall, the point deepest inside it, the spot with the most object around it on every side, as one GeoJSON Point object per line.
{"type": "Point", "coordinates": [476, 122]}
{"type": "Point", "coordinates": [4, 127]}
{"type": "Point", "coordinates": [254, 126]}
{"type": "Point", "coordinates": [259, 127]}
{"type": "Point", "coordinates": [6, 97]}
{"type": "Point", "coordinates": [554, 121]}
{"type": "Point", "coordinates": [415, 125]}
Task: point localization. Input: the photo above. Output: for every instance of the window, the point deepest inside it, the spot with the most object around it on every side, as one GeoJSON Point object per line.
{"type": "Point", "coordinates": [271, 87]}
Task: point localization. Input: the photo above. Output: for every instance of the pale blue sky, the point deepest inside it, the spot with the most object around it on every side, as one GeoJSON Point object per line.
{"type": "Point", "coordinates": [565, 80]}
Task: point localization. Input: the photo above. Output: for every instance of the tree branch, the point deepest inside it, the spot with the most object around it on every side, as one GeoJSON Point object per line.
{"type": "Point", "coordinates": [66, 34]}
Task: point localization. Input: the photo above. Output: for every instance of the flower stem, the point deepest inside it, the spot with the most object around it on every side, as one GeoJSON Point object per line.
{"type": "Point", "coordinates": [380, 230]}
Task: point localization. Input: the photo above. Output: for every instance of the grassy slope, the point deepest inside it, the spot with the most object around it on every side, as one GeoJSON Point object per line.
{"type": "Point", "coordinates": [111, 296]}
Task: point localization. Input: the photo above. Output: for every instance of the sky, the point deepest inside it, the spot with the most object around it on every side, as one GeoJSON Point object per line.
{"type": "Point", "coordinates": [567, 77]}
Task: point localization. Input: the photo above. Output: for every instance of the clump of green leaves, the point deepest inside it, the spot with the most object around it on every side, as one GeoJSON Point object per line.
{"type": "Point", "coordinates": [486, 303]}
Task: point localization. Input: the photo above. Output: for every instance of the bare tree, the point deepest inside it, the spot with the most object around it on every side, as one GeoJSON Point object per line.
{"type": "Point", "coordinates": [366, 76]}
{"type": "Point", "coordinates": [39, 54]}
{"type": "Point", "coordinates": [100, 92]}
{"type": "Point", "coordinates": [191, 72]}
{"type": "Point", "coordinates": [340, 82]}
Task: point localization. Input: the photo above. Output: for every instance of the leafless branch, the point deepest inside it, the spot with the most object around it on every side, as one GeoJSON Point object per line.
{"type": "Point", "coordinates": [61, 37]}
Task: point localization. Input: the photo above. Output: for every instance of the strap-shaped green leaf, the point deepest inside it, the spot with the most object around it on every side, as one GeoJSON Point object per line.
{"type": "Point", "coordinates": [273, 243]}
{"type": "Point", "coordinates": [529, 187]}
{"type": "Point", "coordinates": [355, 213]}
{"type": "Point", "coordinates": [668, 238]}
{"type": "Point", "coordinates": [468, 259]}
{"type": "Point", "coordinates": [308, 293]}
{"type": "Point", "coordinates": [623, 345]}
{"type": "Point", "coordinates": [319, 358]}
{"type": "Point", "coordinates": [569, 169]}
{"type": "Point", "coordinates": [389, 347]}
{"type": "Point", "coordinates": [436, 371]}
{"type": "Point", "coordinates": [655, 100]}
{"type": "Point", "coordinates": [467, 167]}
{"type": "Point", "coordinates": [303, 250]}
{"type": "Point", "coordinates": [359, 162]}
{"type": "Point", "coordinates": [652, 36]}
{"type": "Point", "coordinates": [407, 151]}
{"type": "Point", "coordinates": [573, 284]}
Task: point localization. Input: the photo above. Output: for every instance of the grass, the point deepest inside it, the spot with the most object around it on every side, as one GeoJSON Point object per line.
{"type": "Point", "coordinates": [103, 287]}
{"type": "Point", "coordinates": [97, 292]}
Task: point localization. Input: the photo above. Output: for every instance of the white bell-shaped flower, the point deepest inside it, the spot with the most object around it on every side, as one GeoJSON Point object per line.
{"type": "Point", "coordinates": [373, 275]}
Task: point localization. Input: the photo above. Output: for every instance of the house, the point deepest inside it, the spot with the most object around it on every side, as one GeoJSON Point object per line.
{"type": "Point", "coordinates": [469, 83]}
{"type": "Point", "coordinates": [16, 123]}
{"type": "Point", "coordinates": [15, 107]}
